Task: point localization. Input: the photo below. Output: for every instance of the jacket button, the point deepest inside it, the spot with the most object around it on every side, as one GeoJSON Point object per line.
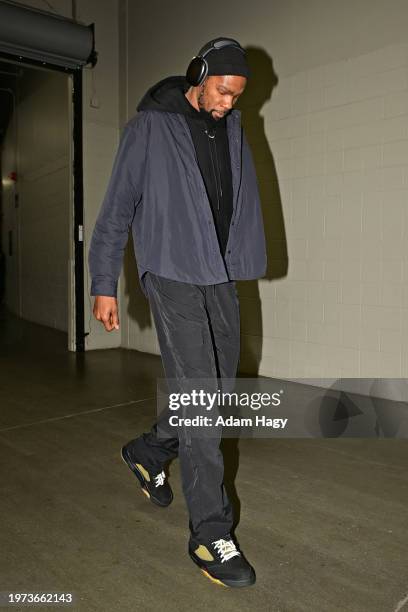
{"type": "Point", "coordinates": [229, 251]}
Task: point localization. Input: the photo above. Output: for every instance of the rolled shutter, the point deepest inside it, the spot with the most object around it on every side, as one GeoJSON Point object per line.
{"type": "Point", "coordinates": [45, 37]}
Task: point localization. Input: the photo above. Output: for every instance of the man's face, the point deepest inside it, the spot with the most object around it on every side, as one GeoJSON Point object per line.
{"type": "Point", "coordinates": [218, 94]}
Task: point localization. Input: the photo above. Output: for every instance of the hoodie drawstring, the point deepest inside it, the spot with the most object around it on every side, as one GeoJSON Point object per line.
{"type": "Point", "coordinates": [217, 173]}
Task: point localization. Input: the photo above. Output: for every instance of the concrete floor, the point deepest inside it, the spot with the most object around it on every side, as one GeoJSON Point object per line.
{"type": "Point", "coordinates": [324, 522]}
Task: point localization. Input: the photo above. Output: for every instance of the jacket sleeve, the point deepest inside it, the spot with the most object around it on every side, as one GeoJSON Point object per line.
{"type": "Point", "coordinates": [124, 191]}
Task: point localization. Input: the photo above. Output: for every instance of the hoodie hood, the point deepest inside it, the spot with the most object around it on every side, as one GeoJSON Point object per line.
{"type": "Point", "coordinates": [168, 95]}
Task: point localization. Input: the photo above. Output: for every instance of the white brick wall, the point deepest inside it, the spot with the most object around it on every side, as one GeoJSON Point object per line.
{"type": "Point", "coordinates": [339, 137]}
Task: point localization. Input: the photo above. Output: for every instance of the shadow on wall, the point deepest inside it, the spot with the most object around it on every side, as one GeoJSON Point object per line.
{"type": "Point", "coordinates": [258, 91]}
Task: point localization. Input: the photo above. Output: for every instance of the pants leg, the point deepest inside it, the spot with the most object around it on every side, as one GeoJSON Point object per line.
{"type": "Point", "coordinates": [198, 333]}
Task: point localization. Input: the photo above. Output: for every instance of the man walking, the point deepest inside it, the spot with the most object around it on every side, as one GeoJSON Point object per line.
{"type": "Point", "coordinates": [184, 181]}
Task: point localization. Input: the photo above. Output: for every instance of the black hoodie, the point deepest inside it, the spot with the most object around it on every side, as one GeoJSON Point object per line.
{"type": "Point", "coordinates": [211, 144]}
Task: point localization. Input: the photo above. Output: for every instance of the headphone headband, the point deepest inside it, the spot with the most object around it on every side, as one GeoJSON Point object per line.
{"type": "Point", "coordinates": [219, 44]}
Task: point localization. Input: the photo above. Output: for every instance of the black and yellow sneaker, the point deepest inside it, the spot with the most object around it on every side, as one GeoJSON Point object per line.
{"type": "Point", "coordinates": [222, 562]}
{"type": "Point", "coordinates": [154, 484]}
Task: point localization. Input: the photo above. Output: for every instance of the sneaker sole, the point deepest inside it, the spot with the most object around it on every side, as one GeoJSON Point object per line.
{"type": "Point", "coordinates": [125, 457]}
{"type": "Point", "coordinates": [226, 583]}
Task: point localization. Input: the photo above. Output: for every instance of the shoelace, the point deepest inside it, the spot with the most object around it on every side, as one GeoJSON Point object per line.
{"type": "Point", "coordinates": [226, 549]}
{"type": "Point", "coordinates": [159, 479]}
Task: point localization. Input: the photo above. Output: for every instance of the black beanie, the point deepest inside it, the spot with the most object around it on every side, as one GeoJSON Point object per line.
{"type": "Point", "coordinates": [225, 61]}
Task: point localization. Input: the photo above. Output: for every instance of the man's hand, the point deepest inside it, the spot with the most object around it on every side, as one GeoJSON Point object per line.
{"type": "Point", "coordinates": [106, 310]}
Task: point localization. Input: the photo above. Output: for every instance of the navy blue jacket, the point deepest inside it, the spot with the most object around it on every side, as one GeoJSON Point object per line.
{"type": "Point", "coordinates": [156, 188]}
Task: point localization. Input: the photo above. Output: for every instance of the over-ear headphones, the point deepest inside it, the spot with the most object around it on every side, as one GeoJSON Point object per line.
{"type": "Point", "coordinates": [198, 67]}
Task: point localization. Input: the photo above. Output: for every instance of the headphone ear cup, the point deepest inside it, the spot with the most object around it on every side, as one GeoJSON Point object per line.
{"type": "Point", "coordinates": [196, 71]}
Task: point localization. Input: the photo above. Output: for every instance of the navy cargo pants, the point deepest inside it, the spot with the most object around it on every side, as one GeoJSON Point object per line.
{"type": "Point", "coordinates": [198, 329]}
